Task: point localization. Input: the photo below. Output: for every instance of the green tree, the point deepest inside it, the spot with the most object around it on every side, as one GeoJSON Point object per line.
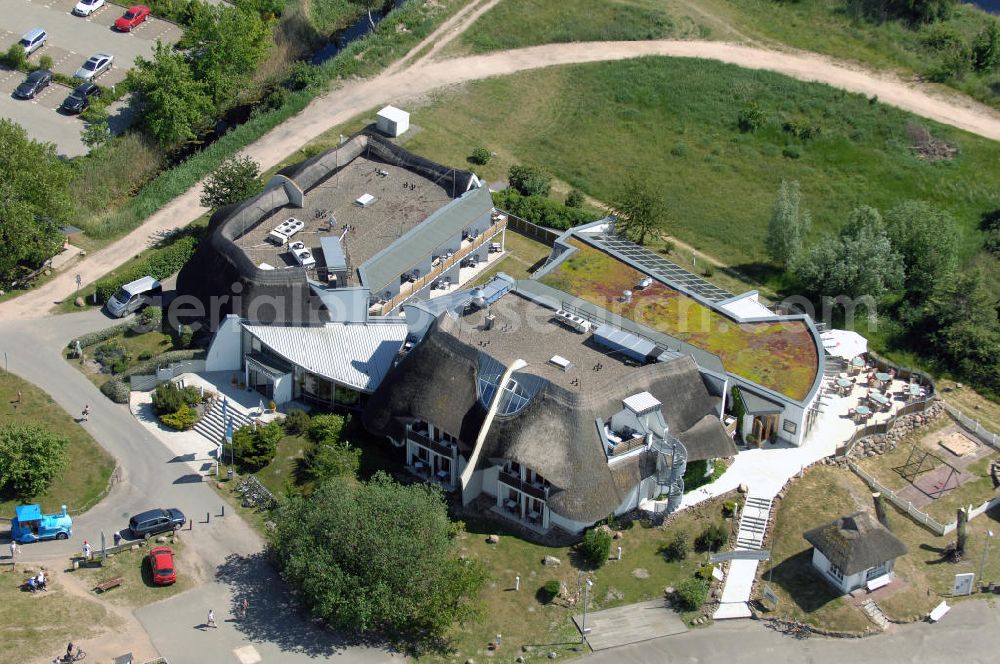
{"type": "Point", "coordinates": [227, 44]}
{"type": "Point", "coordinates": [15, 57]}
{"type": "Point", "coordinates": [574, 198]}
{"type": "Point", "coordinates": [954, 56]}
{"type": "Point", "coordinates": [639, 211]}
{"type": "Point", "coordinates": [172, 102]}
{"type": "Point", "coordinates": [254, 449]}
{"type": "Point", "coordinates": [529, 180]}
{"type": "Point", "coordinates": [332, 459]}
{"type": "Point", "coordinates": [859, 262]}
{"type": "Point", "coordinates": [97, 130]}
{"type": "Point", "coordinates": [677, 548]}
{"type": "Point", "coordinates": [713, 538]}
{"type": "Point", "coordinates": [30, 458]}
{"type": "Point", "coordinates": [376, 557]}
{"type": "Point", "coordinates": [596, 546]}
{"type": "Point", "coordinates": [326, 428]}
{"type": "Point", "coordinates": [986, 47]}
{"type": "Point", "coordinates": [233, 181]}
{"type": "Point", "coordinates": [927, 239]}
{"type": "Point", "coordinates": [34, 200]}
{"type": "Point", "coordinates": [789, 225]}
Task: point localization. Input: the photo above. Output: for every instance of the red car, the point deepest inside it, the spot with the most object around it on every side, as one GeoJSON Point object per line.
{"type": "Point", "coordinates": [135, 15]}
{"type": "Point", "coordinates": [161, 562]}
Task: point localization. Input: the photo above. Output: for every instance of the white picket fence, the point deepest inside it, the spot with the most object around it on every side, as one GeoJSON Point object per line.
{"type": "Point", "coordinates": [974, 427]}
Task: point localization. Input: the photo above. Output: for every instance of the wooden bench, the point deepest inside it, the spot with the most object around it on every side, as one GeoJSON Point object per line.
{"type": "Point", "coordinates": [105, 586]}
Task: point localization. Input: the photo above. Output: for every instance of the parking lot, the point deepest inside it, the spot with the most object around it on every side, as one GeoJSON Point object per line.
{"type": "Point", "coordinates": [71, 41]}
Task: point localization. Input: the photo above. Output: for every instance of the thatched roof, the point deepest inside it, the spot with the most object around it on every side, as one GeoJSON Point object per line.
{"type": "Point", "coordinates": [855, 542]}
{"type": "Point", "coordinates": [556, 434]}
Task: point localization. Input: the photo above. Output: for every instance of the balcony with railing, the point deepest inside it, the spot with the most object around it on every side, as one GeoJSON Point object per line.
{"type": "Point", "coordinates": [442, 447]}
{"type": "Point", "coordinates": [533, 489]}
{"type": "Point", "coordinates": [407, 290]}
{"type": "Point", "coordinates": [627, 446]}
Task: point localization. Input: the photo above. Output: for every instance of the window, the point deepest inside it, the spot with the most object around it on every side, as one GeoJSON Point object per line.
{"type": "Point", "coordinates": [789, 427]}
{"type": "Point", "coordinates": [836, 572]}
{"type": "Point", "coordinates": [878, 570]}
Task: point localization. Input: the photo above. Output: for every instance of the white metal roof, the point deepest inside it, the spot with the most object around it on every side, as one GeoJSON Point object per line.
{"type": "Point", "coordinates": [394, 114]}
{"type": "Point", "coordinates": [748, 306]}
{"type": "Point", "coordinates": [358, 355]}
{"type": "Point", "coordinates": [640, 403]}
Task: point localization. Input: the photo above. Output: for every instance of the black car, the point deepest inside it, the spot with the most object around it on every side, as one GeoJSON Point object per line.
{"type": "Point", "coordinates": [79, 99]}
{"type": "Point", "coordinates": [153, 522]}
{"type": "Point", "coordinates": [37, 81]}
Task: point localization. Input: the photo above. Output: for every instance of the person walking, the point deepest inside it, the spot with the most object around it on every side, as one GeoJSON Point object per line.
{"type": "Point", "coordinates": [211, 619]}
{"type": "Point", "coordinates": [118, 538]}
{"type": "Point", "coordinates": [13, 550]}
{"type": "Point", "coordinates": [86, 412]}
{"type": "Point", "coordinates": [86, 550]}
{"type": "Point", "coordinates": [244, 605]}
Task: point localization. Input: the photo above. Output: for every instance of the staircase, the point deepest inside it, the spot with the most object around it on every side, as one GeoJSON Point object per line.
{"type": "Point", "coordinates": [212, 426]}
{"type": "Point", "coordinates": [875, 613]}
{"type": "Point", "coordinates": [753, 522]}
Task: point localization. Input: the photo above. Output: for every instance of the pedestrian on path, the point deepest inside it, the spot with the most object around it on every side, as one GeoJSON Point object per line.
{"type": "Point", "coordinates": [244, 605]}
{"type": "Point", "coordinates": [86, 412]}
{"type": "Point", "coordinates": [13, 550]}
{"type": "Point", "coordinates": [86, 550]}
{"type": "Point", "coordinates": [118, 538]}
{"type": "Point", "coordinates": [211, 619]}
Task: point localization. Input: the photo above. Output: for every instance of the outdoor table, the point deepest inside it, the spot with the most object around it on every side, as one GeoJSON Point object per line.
{"type": "Point", "coordinates": [857, 362]}
{"type": "Point", "coordinates": [419, 465]}
{"type": "Point", "coordinates": [879, 399]}
{"type": "Point", "coordinates": [914, 390]}
{"type": "Point", "coordinates": [882, 377]}
{"type": "Point", "coordinates": [843, 382]}
{"type": "Point", "coordinates": [510, 504]}
{"type": "Point", "coordinates": [862, 411]}
{"type": "Point", "coordinates": [443, 474]}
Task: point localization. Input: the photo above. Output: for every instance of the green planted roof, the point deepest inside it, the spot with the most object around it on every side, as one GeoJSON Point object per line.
{"type": "Point", "coordinates": [779, 355]}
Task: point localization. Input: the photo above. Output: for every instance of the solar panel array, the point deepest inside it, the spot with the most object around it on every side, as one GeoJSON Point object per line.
{"type": "Point", "coordinates": [660, 267]}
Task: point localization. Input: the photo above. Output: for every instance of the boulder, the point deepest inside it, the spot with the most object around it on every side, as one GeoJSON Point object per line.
{"type": "Point", "coordinates": [553, 655]}
{"type": "Point", "coordinates": [551, 561]}
{"type": "Point", "coordinates": [493, 539]}
{"type": "Point", "coordinates": [161, 540]}
{"type": "Point", "coordinates": [79, 302]}
{"type": "Point", "coordinates": [470, 661]}
{"type": "Point", "coordinates": [742, 488]}
{"type": "Point", "coordinates": [618, 535]}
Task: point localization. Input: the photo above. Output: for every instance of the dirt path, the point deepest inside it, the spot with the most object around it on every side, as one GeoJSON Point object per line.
{"type": "Point", "coordinates": [444, 35]}
{"type": "Point", "coordinates": [424, 75]}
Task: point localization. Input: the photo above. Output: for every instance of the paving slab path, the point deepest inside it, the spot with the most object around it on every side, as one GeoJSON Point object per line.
{"type": "Point", "coordinates": [425, 73]}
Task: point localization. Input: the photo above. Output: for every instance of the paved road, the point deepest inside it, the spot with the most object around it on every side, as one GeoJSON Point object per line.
{"type": "Point", "coordinates": [154, 477]}
{"type": "Point", "coordinates": [970, 634]}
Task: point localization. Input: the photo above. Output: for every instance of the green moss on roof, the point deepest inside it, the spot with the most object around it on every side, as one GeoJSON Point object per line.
{"type": "Point", "coordinates": [779, 355]}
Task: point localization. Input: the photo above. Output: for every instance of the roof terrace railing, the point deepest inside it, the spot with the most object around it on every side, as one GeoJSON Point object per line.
{"type": "Point", "coordinates": [627, 446]}
{"type": "Point", "coordinates": [445, 264]}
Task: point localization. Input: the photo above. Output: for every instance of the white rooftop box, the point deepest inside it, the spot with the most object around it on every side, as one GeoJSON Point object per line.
{"type": "Point", "coordinates": [392, 121]}
{"type": "Point", "coordinates": [365, 201]}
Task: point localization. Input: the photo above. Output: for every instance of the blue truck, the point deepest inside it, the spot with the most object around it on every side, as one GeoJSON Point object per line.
{"type": "Point", "coordinates": [30, 525]}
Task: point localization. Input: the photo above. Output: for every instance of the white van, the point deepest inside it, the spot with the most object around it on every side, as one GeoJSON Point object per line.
{"type": "Point", "coordinates": [134, 296]}
{"type": "Point", "coordinates": [33, 39]}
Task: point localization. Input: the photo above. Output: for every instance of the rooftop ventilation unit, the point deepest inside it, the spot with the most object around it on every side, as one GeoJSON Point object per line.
{"type": "Point", "coordinates": [572, 321]}
{"type": "Point", "coordinates": [561, 362]}
{"type": "Point", "coordinates": [645, 283]}
{"type": "Point", "coordinates": [626, 296]}
{"type": "Point", "coordinates": [365, 200]}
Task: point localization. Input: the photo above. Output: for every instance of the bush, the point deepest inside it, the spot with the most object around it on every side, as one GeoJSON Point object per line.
{"type": "Point", "coordinates": [184, 336]}
{"type": "Point", "coordinates": [112, 356]}
{"type": "Point", "coordinates": [117, 390]}
{"type": "Point", "coordinates": [168, 398]}
{"type": "Point", "coordinates": [99, 336]}
{"type": "Point", "coordinates": [692, 593]}
{"type": "Point", "coordinates": [541, 210]}
{"type": "Point", "coordinates": [574, 199]}
{"type": "Point", "coordinates": [296, 422]}
{"type": "Point", "coordinates": [255, 449]}
{"type": "Point", "coordinates": [992, 242]}
{"type": "Point", "coordinates": [182, 419]}
{"type": "Point", "coordinates": [751, 118]}
{"type": "Point", "coordinates": [668, 247]}
{"type": "Point", "coordinates": [677, 548]}
{"type": "Point", "coordinates": [596, 546]}
{"type": "Point", "coordinates": [15, 58]}
{"type": "Point", "coordinates": [729, 508]}
{"type": "Point", "coordinates": [791, 152]}
{"type": "Point", "coordinates": [549, 591]}
{"type": "Point", "coordinates": [480, 155]}
{"type": "Point", "coordinates": [330, 459]}
{"type": "Point", "coordinates": [705, 573]}
{"type": "Point", "coordinates": [326, 428]}
{"type": "Point", "coordinates": [160, 265]}
{"type": "Point", "coordinates": [679, 150]}
{"type": "Point", "coordinates": [151, 317]}
{"type": "Point", "coordinates": [529, 180]}
{"type": "Point", "coordinates": [713, 538]}
{"type": "Point", "coordinates": [145, 355]}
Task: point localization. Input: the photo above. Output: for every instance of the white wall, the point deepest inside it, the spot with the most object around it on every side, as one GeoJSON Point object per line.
{"type": "Point", "coordinates": [225, 352]}
{"type": "Point", "coordinates": [283, 389]}
{"type": "Point", "coordinates": [568, 525]}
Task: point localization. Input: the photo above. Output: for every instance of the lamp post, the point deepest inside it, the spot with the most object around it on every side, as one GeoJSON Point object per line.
{"type": "Point", "coordinates": [583, 624]}
{"type": "Point", "coordinates": [986, 552]}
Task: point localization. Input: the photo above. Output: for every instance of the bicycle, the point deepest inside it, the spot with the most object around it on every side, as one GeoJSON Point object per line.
{"type": "Point", "coordinates": [67, 658]}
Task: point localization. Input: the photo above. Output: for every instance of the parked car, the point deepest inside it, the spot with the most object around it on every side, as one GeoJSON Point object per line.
{"type": "Point", "coordinates": [135, 15]}
{"type": "Point", "coordinates": [94, 66]}
{"type": "Point", "coordinates": [87, 7]}
{"type": "Point", "coordinates": [30, 525]}
{"type": "Point", "coordinates": [156, 521]}
{"type": "Point", "coordinates": [161, 563]}
{"type": "Point", "coordinates": [33, 39]}
{"type": "Point", "coordinates": [134, 296]}
{"type": "Point", "coordinates": [79, 100]}
{"type": "Point", "coordinates": [37, 81]}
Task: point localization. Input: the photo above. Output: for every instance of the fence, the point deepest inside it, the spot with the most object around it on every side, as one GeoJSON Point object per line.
{"type": "Point", "coordinates": [974, 427]}
{"type": "Point", "coordinates": [905, 505]}
{"type": "Point", "coordinates": [144, 383]}
{"type": "Point", "coordinates": [546, 236]}
{"type": "Point", "coordinates": [884, 427]}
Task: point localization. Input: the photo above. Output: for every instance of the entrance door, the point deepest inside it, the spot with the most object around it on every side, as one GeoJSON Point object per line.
{"type": "Point", "coordinates": [765, 427]}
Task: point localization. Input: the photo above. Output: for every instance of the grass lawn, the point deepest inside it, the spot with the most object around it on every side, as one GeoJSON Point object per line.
{"type": "Point", "coordinates": [138, 588]}
{"type": "Point", "coordinates": [278, 474]}
{"type": "Point", "coordinates": [524, 619]}
{"type": "Point", "coordinates": [821, 26]}
{"type": "Point", "coordinates": [523, 255]}
{"type": "Point", "coordinates": [825, 493]}
{"type": "Point", "coordinates": [518, 23]}
{"type": "Point", "coordinates": [943, 510]}
{"type": "Point", "coordinates": [972, 404]}
{"type": "Point", "coordinates": [82, 482]}
{"type": "Point", "coordinates": [32, 625]}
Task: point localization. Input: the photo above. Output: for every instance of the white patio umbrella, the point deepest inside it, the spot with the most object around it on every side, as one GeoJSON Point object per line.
{"type": "Point", "coordinates": [844, 343]}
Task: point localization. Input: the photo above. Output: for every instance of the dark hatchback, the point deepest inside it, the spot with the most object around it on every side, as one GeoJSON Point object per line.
{"type": "Point", "coordinates": [79, 100]}
{"type": "Point", "coordinates": [154, 522]}
{"type": "Point", "coordinates": [37, 81]}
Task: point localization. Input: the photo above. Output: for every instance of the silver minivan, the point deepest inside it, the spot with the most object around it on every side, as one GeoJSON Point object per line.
{"type": "Point", "coordinates": [134, 296]}
{"type": "Point", "coordinates": [33, 39]}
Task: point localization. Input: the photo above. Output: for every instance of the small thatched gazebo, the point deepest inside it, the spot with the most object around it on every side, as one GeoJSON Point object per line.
{"type": "Point", "coordinates": [854, 550]}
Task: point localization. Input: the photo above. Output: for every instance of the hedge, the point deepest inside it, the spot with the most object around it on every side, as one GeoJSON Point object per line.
{"type": "Point", "coordinates": [541, 210]}
{"type": "Point", "coordinates": [101, 335]}
{"type": "Point", "coordinates": [117, 390]}
{"type": "Point", "coordinates": [160, 265]}
{"type": "Point", "coordinates": [149, 366]}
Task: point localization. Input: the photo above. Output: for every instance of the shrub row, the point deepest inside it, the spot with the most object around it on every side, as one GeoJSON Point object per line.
{"type": "Point", "coordinates": [159, 265]}
{"type": "Point", "coordinates": [101, 335]}
{"type": "Point", "coordinates": [541, 210]}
